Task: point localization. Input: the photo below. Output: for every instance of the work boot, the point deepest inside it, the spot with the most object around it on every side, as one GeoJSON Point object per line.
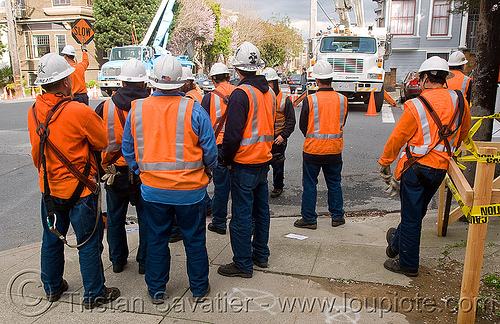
{"type": "Point", "coordinates": [394, 266]}
{"type": "Point", "coordinates": [118, 267]}
{"type": "Point", "coordinates": [231, 270]}
{"type": "Point", "coordinates": [302, 224]}
{"type": "Point", "coordinates": [276, 192]}
{"type": "Point", "coordinates": [202, 298]}
{"type": "Point", "coordinates": [111, 294]}
{"type": "Point", "coordinates": [338, 222]}
{"type": "Point", "coordinates": [142, 269]}
{"type": "Point", "coordinates": [175, 238]}
{"type": "Point", "coordinates": [214, 228]}
{"type": "Point", "coordinates": [391, 232]}
{"type": "Point", "coordinates": [158, 299]}
{"type": "Point", "coordinates": [258, 263]}
{"type": "Point", "coordinates": [55, 296]}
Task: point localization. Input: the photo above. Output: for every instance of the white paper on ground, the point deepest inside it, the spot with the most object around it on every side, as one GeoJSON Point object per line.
{"type": "Point", "coordinates": [296, 236]}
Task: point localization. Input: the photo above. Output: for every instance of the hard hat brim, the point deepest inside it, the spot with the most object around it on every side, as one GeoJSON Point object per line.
{"type": "Point", "coordinates": [250, 67]}
{"type": "Point", "coordinates": [449, 76]}
{"type": "Point", "coordinates": [132, 79]}
{"type": "Point", "coordinates": [322, 76]}
{"type": "Point", "coordinates": [165, 85]}
{"type": "Point", "coordinates": [458, 64]}
{"type": "Point", "coordinates": [48, 80]}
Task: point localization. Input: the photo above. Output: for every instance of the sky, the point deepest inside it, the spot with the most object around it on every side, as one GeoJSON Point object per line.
{"type": "Point", "coordinates": [299, 13]}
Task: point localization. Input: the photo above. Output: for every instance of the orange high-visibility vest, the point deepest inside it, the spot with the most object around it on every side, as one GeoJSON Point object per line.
{"type": "Point", "coordinates": [325, 125]}
{"type": "Point", "coordinates": [279, 123]}
{"type": "Point", "coordinates": [444, 102]}
{"type": "Point", "coordinates": [114, 131]}
{"type": "Point", "coordinates": [258, 134]}
{"type": "Point", "coordinates": [166, 147]}
{"type": "Point", "coordinates": [459, 82]}
{"type": "Point", "coordinates": [195, 95]}
{"type": "Point", "coordinates": [218, 108]}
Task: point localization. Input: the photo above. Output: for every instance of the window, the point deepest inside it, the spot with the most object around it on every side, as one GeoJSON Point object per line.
{"type": "Point", "coordinates": [60, 43]}
{"type": "Point", "coordinates": [41, 45]}
{"type": "Point", "coordinates": [472, 26]}
{"type": "Point", "coordinates": [61, 2]}
{"type": "Point", "coordinates": [440, 18]}
{"type": "Point", "coordinates": [402, 17]}
{"type": "Point", "coordinates": [444, 56]}
{"type": "Point", "coordinates": [90, 3]}
{"type": "Point", "coordinates": [343, 44]}
{"type": "Point", "coordinates": [29, 49]}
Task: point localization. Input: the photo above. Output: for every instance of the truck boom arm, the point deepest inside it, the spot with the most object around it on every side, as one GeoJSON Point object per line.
{"type": "Point", "coordinates": [166, 15]}
{"type": "Point", "coordinates": [343, 7]}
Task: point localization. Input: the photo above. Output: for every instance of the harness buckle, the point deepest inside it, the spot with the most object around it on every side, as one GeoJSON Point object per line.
{"type": "Point", "coordinates": [42, 131]}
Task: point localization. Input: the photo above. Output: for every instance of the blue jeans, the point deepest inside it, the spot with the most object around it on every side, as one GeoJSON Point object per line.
{"type": "Point", "coordinates": [117, 199]}
{"type": "Point", "coordinates": [222, 184]}
{"type": "Point", "coordinates": [415, 197]}
{"type": "Point", "coordinates": [191, 222]}
{"type": "Point", "coordinates": [82, 218]}
{"type": "Point", "coordinates": [279, 168]}
{"type": "Point", "coordinates": [333, 177]}
{"type": "Point", "coordinates": [175, 227]}
{"type": "Point", "coordinates": [250, 200]}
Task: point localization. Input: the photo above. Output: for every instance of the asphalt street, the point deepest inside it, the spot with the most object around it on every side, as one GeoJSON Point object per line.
{"type": "Point", "coordinates": [364, 139]}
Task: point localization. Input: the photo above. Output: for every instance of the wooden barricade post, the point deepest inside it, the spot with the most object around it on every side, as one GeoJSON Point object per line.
{"type": "Point", "coordinates": [474, 254]}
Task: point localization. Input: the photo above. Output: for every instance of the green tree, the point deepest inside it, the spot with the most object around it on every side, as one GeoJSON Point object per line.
{"type": "Point", "coordinates": [280, 41]}
{"type": "Point", "coordinates": [220, 46]}
{"type": "Point", "coordinates": [113, 20]}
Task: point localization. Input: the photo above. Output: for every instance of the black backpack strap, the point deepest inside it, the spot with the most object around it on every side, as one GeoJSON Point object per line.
{"type": "Point", "coordinates": [225, 99]}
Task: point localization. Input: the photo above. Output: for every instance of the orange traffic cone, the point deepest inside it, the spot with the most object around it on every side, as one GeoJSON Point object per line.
{"type": "Point", "coordinates": [33, 94]}
{"type": "Point", "coordinates": [372, 110]}
{"type": "Point", "coordinates": [5, 96]}
{"type": "Point", "coordinates": [10, 95]}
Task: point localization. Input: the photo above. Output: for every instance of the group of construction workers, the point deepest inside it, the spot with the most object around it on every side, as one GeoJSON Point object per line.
{"type": "Point", "coordinates": [159, 152]}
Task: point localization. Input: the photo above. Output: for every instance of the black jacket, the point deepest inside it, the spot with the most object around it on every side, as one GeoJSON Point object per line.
{"type": "Point", "coordinates": [124, 96]}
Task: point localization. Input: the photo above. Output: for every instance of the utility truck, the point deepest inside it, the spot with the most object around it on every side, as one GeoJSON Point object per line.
{"type": "Point", "coordinates": [356, 53]}
{"type": "Point", "coordinates": [148, 51]}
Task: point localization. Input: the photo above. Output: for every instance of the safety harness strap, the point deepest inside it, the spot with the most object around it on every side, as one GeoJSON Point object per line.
{"type": "Point", "coordinates": [121, 117]}
{"type": "Point", "coordinates": [222, 121]}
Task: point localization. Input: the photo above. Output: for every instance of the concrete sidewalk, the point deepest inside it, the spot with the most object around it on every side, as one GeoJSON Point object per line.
{"type": "Point", "coordinates": [354, 252]}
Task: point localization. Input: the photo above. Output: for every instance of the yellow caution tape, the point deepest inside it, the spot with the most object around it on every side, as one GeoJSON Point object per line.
{"type": "Point", "coordinates": [471, 147]}
{"type": "Point", "coordinates": [477, 218]}
{"type": "Point", "coordinates": [485, 211]}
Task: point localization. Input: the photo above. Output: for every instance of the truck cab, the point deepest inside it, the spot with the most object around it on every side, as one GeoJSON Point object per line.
{"type": "Point", "coordinates": [356, 56]}
{"type": "Point", "coordinates": [107, 76]}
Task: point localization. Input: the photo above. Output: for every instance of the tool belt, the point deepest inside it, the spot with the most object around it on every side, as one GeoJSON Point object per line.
{"type": "Point", "coordinates": [444, 132]}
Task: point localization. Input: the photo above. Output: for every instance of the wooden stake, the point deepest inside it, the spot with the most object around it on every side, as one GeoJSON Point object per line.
{"type": "Point", "coordinates": [475, 242]}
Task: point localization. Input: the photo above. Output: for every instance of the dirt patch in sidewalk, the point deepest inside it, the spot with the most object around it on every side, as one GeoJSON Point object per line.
{"type": "Point", "coordinates": [432, 297]}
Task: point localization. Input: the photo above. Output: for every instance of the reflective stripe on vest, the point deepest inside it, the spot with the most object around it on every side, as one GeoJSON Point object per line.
{"type": "Point", "coordinates": [424, 149]}
{"type": "Point", "coordinates": [464, 84]}
{"type": "Point", "coordinates": [282, 108]}
{"type": "Point", "coordinates": [255, 131]}
{"type": "Point", "coordinates": [218, 111]}
{"type": "Point", "coordinates": [179, 142]}
{"type": "Point", "coordinates": [113, 146]}
{"type": "Point", "coordinates": [316, 134]}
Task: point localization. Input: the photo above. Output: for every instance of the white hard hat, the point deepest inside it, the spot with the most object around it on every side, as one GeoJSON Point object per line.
{"type": "Point", "coordinates": [133, 71]}
{"type": "Point", "coordinates": [457, 58]}
{"type": "Point", "coordinates": [167, 73]}
{"type": "Point", "coordinates": [247, 58]}
{"type": "Point", "coordinates": [52, 68]}
{"type": "Point", "coordinates": [270, 74]}
{"type": "Point", "coordinates": [219, 68]}
{"type": "Point", "coordinates": [187, 74]}
{"type": "Point", "coordinates": [434, 64]}
{"type": "Point", "coordinates": [69, 50]}
{"type": "Point", "coordinates": [322, 70]}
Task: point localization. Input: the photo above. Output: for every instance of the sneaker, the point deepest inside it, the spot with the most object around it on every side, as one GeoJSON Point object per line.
{"type": "Point", "coordinates": [231, 270]}
{"type": "Point", "coordinates": [142, 269]}
{"type": "Point", "coordinates": [338, 222]}
{"type": "Point", "coordinates": [214, 228]}
{"type": "Point", "coordinates": [258, 263]}
{"type": "Point", "coordinates": [202, 298]}
{"type": "Point", "coordinates": [301, 224]}
{"type": "Point", "coordinates": [118, 267]}
{"type": "Point", "coordinates": [276, 192]}
{"type": "Point", "coordinates": [393, 265]}
{"type": "Point", "coordinates": [391, 232]}
{"type": "Point", "coordinates": [55, 296]}
{"type": "Point", "coordinates": [111, 294]}
{"type": "Point", "coordinates": [175, 238]}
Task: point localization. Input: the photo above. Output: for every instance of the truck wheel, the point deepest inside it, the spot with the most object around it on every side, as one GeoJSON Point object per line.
{"type": "Point", "coordinates": [106, 92]}
{"type": "Point", "coordinates": [379, 100]}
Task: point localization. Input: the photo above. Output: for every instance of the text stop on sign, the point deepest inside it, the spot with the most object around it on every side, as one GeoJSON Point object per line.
{"type": "Point", "coordinates": [82, 31]}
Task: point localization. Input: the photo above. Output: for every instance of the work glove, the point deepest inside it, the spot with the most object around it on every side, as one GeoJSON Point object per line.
{"type": "Point", "coordinates": [385, 173]}
{"type": "Point", "coordinates": [393, 185]}
{"type": "Point", "coordinates": [84, 47]}
{"type": "Point", "coordinates": [109, 174]}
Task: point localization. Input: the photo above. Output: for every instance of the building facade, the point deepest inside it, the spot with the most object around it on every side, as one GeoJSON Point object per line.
{"type": "Point", "coordinates": [421, 29]}
{"type": "Point", "coordinates": [44, 26]}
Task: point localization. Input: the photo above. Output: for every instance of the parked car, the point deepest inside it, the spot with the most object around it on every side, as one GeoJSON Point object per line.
{"type": "Point", "coordinates": [410, 88]}
{"type": "Point", "coordinates": [204, 82]}
{"type": "Point", "coordinates": [294, 83]}
{"type": "Point", "coordinates": [235, 78]}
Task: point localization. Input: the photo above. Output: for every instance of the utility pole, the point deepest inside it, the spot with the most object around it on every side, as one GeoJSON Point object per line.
{"type": "Point", "coordinates": [13, 49]}
{"type": "Point", "coordinates": [314, 19]}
